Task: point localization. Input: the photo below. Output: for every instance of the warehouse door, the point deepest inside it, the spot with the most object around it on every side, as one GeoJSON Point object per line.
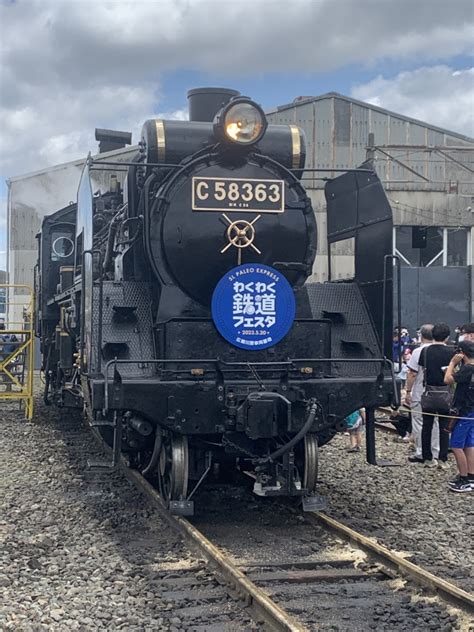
{"type": "Point", "coordinates": [435, 295]}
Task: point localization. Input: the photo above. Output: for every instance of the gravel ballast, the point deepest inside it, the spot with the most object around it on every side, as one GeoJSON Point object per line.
{"type": "Point", "coordinates": [409, 507]}
{"type": "Point", "coordinates": [84, 550]}
{"type": "Point", "coordinates": [270, 535]}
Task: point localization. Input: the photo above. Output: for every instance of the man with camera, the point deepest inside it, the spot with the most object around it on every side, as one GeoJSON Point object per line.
{"type": "Point", "coordinates": [462, 438]}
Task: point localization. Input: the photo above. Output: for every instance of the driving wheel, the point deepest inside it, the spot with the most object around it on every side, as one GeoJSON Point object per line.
{"type": "Point", "coordinates": [173, 468]}
{"type": "Point", "coordinates": [307, 461]}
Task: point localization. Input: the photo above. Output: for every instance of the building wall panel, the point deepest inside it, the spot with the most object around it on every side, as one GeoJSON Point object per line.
{"type": "Point", "coordinates": [394, 172]}
{"type": "Point", "coordinates": [359, 134]}
{"type": "Point", "coordinates": [342, 134]}
{"type": "Point", "coordinates": [324, 121]}
{"type": "Point", "coordinates": [304, 118]}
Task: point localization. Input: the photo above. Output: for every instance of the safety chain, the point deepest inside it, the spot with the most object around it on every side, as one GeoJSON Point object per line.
{"type": "Point", "coordinates": [239, 448]}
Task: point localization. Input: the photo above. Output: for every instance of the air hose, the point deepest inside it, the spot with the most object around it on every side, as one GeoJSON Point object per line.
{"type": "Point", "coordinates": [314, 405]}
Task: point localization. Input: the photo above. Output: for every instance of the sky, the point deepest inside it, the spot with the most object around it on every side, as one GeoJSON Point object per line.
{"type": "Point", "coordinates": [69, 66]}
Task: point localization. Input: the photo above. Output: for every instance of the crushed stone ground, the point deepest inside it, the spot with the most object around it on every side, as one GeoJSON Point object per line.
{"type": "Point", "coordinates": [409, 507]}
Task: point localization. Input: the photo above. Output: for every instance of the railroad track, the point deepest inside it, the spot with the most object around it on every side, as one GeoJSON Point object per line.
{"type": "Point", "coordinates": [263, 608]}
{"type": "Point", "coordinates": [292, 571]}
{"type": "Point", "coordinates": [309, 594]}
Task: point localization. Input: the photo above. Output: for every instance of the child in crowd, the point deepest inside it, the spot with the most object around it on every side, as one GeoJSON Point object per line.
{"type": "Point", "coordinates": [355, 422]}
{"type": "Point", "coordinates": [402, 374]}
{"type": "Point", "coordinates": [399, 344]}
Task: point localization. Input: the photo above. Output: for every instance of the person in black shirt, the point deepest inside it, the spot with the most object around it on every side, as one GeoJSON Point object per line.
{"type": "Point", "coordinates": [462, 438]}
{"type": "Point", "coordinates": [434, 359]}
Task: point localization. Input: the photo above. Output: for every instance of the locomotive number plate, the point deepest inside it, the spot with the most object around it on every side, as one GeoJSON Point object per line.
{"type": "Point", "coordinates": [238, 194]}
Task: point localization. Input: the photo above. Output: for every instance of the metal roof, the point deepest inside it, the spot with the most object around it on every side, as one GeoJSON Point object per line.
{"type": "Point", "coordinates": [336, 95]}
{"type": "Point", "coordinates": [78, 163]}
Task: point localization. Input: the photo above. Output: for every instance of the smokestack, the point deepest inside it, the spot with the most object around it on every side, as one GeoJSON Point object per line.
{"type": "Point", "coordinates": [204, 103]}
{"type": "Point", "coordinates": [110, 139]}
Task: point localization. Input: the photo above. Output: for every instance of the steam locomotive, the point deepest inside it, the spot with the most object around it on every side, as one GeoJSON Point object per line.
{"type": "Point", "coordinates": [176, 311]}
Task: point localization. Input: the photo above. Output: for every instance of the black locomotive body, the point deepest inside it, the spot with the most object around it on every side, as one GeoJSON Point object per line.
{"type": "Point", "coordinates": [124, 286]}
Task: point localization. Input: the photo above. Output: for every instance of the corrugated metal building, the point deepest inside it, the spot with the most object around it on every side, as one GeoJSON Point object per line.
{"type": "Point", "coordinates": [427, 172]}
{"type": "Point", "coordinates": [428, 176]}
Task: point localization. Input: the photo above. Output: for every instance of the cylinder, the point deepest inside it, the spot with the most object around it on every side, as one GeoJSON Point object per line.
{"type": "Point", "coordinates": [204, 103]}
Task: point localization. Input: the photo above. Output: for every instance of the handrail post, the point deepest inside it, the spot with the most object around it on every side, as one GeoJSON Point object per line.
{"type": "Point", "coordinates": [396, 259]}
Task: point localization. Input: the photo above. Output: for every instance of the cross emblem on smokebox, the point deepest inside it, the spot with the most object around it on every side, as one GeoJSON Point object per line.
{"type": "Point", "coordinates": [240, 234]}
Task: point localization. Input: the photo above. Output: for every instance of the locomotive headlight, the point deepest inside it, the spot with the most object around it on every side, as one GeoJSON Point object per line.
{"type": "Point", "coordinates": [241, 121]}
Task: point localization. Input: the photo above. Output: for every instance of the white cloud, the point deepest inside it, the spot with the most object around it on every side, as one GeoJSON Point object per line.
{"type": "Point", "coordinates": [175, 115]}
{"type": "Point", "coordinates": [138, 38]}
{"type": "Point", "coordinates": [437, 94]}
{"type": "Point", "coordinates": [59, 126]}
{"type": "Point", "coordinates": [71, 65]}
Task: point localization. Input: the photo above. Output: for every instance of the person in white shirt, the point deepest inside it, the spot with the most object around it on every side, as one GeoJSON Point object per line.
{"type": "Point", "coordinates": [414, 391]}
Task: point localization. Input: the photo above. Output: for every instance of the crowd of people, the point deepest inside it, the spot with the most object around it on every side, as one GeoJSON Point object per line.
{"type": "Point", "coordinates": [437, 412]}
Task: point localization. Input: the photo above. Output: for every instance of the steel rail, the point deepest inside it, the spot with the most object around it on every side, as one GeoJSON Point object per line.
{"type": "Point", "coordinates": [263, 609]}
{"type": "Point", "coordinates": [381, 425]}
{"type": "Point", "coordinates": [261, 605]}
{"type": "Point", "coordinates": [448, 591]}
